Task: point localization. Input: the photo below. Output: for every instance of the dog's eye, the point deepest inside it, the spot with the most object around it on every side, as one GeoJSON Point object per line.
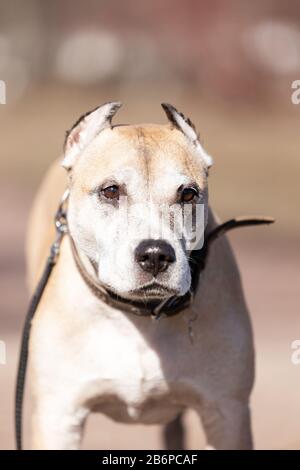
{"type": "Point", "coordinates": [189, 194]}
{"type": "Point", "coordinates": [111, 192]}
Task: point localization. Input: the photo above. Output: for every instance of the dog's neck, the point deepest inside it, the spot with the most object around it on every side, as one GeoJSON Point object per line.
{"type": "Point", "coordinates": [156, 308]}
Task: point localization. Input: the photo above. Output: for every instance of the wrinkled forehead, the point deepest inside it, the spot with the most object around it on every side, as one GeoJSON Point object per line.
{"type": "Point", "coordinates": [153, 157]}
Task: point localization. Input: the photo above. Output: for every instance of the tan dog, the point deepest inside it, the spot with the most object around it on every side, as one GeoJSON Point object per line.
{"type": "Point", "coordinates": [87, 356]}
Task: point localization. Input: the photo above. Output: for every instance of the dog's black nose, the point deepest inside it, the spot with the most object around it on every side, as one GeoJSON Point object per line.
{"type": "Point", "coordinates": [154, 256]}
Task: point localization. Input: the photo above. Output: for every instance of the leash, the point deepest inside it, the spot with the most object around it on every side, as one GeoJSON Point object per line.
{"type": "Point", "coordinates": [167, 307]}
{"type": "Point", "coordinates": [60, 226]}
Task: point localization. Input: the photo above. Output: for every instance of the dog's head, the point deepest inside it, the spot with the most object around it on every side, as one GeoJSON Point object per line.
{"type": "Point", "coordinates": [133, 194]}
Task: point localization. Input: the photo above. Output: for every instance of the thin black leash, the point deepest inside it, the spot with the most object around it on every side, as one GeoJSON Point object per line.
{"type": "Point", "coordinates": [60, 225]}
{"type": "Point", "coordinates": [61, 228]}
{"type": "Point", "coordinates": [23, 358]}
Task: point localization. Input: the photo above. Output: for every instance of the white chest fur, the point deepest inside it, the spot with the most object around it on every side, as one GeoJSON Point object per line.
{"type": "Point", "coordinates": [133, 368]}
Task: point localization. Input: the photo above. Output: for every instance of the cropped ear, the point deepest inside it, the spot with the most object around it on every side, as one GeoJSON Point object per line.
{"type": "Point", "coordinates": [85, 129]}
{"type": "Point", "coordinates": [186, 126]}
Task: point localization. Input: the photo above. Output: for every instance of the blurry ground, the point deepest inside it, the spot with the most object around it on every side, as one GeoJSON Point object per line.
{"type": "Point", "coordinates": [256, 172]}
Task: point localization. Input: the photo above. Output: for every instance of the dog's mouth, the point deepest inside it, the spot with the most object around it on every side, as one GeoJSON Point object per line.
{"type": "Point", "coordinates": [153, 290]}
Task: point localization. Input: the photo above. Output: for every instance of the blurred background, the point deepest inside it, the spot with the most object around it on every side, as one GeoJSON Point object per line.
{"type": "Point", "coordinates": [229, 66]}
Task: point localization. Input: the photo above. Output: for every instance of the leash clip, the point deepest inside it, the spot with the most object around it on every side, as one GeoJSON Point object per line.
{"type": "Point", "coordinates": [61, 226]}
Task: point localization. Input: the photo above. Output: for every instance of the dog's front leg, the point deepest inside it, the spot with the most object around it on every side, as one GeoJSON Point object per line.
{"type": "Point", "coordinates": [57, 424]}
{"type": "Point", "coordinates": [227, 424]}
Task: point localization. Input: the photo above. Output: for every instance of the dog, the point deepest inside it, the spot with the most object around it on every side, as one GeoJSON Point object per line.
{"type": "Point", "coordinates": [87, 355]}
